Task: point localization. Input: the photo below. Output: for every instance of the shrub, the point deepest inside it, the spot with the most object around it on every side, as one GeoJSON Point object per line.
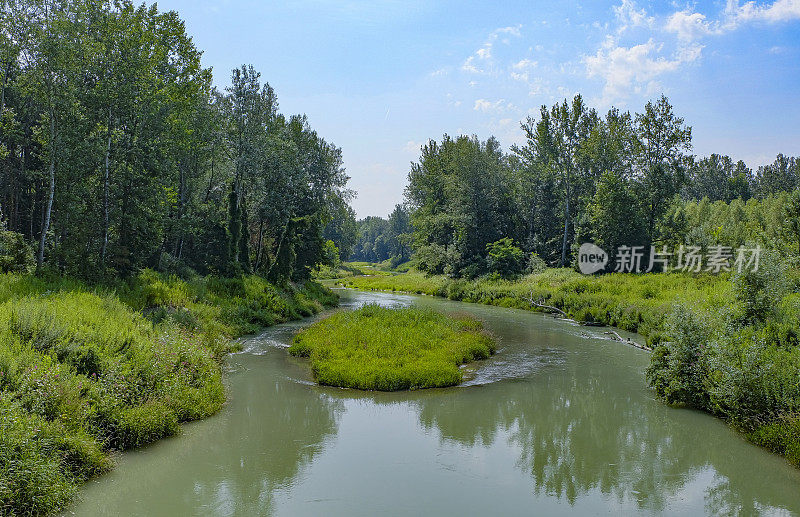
{"type": "Point", "coordinates": [760, 291]}
{"type": "Point", "coordinates": [505, 258]}
{"type": "Point", "coordinates": [679, 368]}
{"type": "Point", "coordinates": [16, 254]}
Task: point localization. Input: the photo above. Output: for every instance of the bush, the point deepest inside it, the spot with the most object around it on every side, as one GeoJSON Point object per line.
{"type": "Point", "coordinates": [505, 258]}
{"type": "Point", "coordinates": [16, 254]}
{"type": "Point", "coordinates": [760, 291]}
{"type": "Point", "coordinates": [679, 368]}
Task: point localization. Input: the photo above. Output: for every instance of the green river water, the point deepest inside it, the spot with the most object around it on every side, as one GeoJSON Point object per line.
{"type": "Point", "coordinates": [559, 421]}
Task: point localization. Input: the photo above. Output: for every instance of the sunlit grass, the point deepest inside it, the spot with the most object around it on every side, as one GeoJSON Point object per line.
{"type": "Point", "coordinates": [637, 303]}
{"type": "Point", "coordinates": [377, 348]}
{"type": "Point", "coordinates": [86, 370]}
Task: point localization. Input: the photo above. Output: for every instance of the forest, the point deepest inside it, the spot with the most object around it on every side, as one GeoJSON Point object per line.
{"type": "Point", "coordinates": [147, 220]}
{"type": "Point", "coordinates": [118, 153]}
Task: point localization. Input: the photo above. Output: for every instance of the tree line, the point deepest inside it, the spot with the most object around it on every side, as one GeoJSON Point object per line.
{"type": "Point", "coordinates": [617, 179]}
{"type": "Point", "coordinates": [117, 152]}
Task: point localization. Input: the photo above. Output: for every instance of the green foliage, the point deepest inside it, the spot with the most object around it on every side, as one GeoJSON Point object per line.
{"type": "Point", "coordinates": [377, 348]}
{"type": "Point", "coordinates": [461, 195]}
{"type": "Point", "coordinates": [16, 254]}
{"type": "Point", "coordinates": [331, 255]}
{"type": "Point", "coordinates": [383, 239]}
{"type": "Point", "coordinates": [504, 258]}
{"type": "Point", "coordinates": [613, 217]}
{"type": "Point", "coordinates": [111, 175]}
{"type": "Point", "coordinates": [84, 371]}
{"type": "Point", "coordinates": [638, 303]}
{"type": "Point", "coordinates": [679, 370]}
{"type": "Point", "coordinates": [759, 291]}
{"type": "Point", "coordinates": [726, 344]}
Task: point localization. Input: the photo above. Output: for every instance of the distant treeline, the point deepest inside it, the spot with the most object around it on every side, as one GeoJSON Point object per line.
{"type": "Point", "coordinates": [618, 179]}
{"type": "Point", "coordinates": [116, 152]}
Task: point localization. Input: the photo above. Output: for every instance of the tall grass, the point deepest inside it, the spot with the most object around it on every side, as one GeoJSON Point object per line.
{"type": "Point", "coordinates": [377, 348]}
{"type": "Point", "coordinates": [84, 371]}
{"type": "Point", "coordinates": [637, 303]}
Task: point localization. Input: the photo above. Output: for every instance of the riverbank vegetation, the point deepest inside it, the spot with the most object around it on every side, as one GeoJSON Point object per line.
{"type": "Point", "coordinates": [85, 371]}
{"type": "Point", "coordinates": [637, 303]}
{"type": "Point", "coordinates": [390, 349]}
{"type": "Point", "coordinates": [504, 228]}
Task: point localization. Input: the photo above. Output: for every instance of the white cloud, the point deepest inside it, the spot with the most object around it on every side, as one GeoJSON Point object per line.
{"type": "Point", "coordinates": [628, 15]}
{"type": "Point", "coordinates": [630, 70]}
{"type": "Point", "coordinates": [412, 147]}
{"type": "Point", "coordinates": [520, 69]}
{"type": "Point", "coordinates": [778, 11]}
{"type": "Point", "coordinates": [469, 66]}
{"type": "Point", "coordinates": [484, 53]}
{"type": "Point", "coordinates": [487, 106]}
{"type": "Point", "coordinates": [690, 26]}
{"type": "Point", "coordinates": [513, 31]}
{"type": "Point", "coordinates": [524, 64]}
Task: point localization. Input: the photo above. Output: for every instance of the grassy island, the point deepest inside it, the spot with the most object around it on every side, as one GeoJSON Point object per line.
{"type": "Point", "coordinates": [385, 349]}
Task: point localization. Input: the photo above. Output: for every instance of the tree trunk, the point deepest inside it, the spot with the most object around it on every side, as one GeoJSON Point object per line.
{"type": "Point", "coordinates": [258, 246]}
{"type": "Point", "coordinates": [104, 245]}
{"type": "Point", "coordinates": [566, 231]}
{"type": "Point", "coordinates": [51, 192]}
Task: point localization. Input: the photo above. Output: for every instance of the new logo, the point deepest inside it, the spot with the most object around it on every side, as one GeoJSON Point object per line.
{"type": "Point", "coordinates": [591, 258]}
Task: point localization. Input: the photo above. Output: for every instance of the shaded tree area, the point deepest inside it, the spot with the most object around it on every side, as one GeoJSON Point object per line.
{"type": "Point", "coordinates": [380, 239]}
{"type": "Point", "coordinates": [616, 179]}
{"type": "Point", "coordinates": [116, 152]}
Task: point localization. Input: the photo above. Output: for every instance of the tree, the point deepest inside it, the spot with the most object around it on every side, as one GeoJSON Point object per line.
{"type": "Point", "coordinates": [117, 153]}
{"type": "Point", "coordinates": [460, 194]}
{"type": "Point", "coordinates": [782, 175]}
{"type": "Point", "coordinates": [792, 216]}
{"type": "Point", "coordinates": [661, 139]}
{"type": "Point", "coordinates": [613, 217]}
{"type": "Point", "coordinates": [554, 145]}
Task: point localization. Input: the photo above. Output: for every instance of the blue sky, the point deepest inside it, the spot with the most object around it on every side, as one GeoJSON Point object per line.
{"type": "Point", "coordinates": [379, 79]}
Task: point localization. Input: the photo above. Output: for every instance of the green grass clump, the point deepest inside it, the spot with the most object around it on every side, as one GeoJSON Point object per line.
{"type": "Point", "coordinates": [84, 371]}
{"type": "Point", "coordinates": [377, 348]}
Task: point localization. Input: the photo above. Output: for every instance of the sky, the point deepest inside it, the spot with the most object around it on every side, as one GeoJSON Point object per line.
{"type": "Point", "coordinates": [379, 79]}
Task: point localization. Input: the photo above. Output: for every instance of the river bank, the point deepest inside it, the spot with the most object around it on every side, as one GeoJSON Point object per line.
{"type": "Point", "coordinates": [85, 370]}
{"type": "Point", "coordinates": [635, 303]}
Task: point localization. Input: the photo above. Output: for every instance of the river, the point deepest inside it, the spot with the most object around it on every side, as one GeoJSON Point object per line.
{"type": "Point", "coordinates": [559, 421]}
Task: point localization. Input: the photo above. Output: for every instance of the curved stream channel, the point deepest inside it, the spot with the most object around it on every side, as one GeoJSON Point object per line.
{"type": "Point", "coordinates": [559, 421]}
